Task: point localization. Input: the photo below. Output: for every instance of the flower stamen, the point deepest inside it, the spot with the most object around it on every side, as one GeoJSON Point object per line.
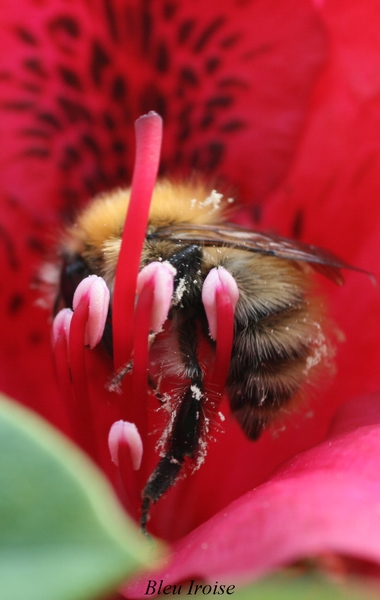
{"type": "Point", "coordinates": [126, 449]}
{"type": "Point", "coordinates": [125, 436]}
{"type": "Point", "coordinates": [220, 294]}
{"type": "Point", "coordinates": [155, 285]}
{"type": "Point", "coordinates": [72, 332]}
{"type": "Point", "coordinates": [97, 292]}
{"type": "Point", "coordinates": [60, 342]}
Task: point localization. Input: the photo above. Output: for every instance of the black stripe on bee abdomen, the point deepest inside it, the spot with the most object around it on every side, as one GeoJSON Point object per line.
{"type": "Point", "coordinates": [268, 365]}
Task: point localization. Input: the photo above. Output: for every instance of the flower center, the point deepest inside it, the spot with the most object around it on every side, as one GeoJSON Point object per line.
{"type": "Point", "coordinates": [141, 304]}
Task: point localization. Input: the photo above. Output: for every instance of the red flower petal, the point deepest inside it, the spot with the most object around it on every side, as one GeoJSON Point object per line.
{"type": "Point", "coordinates": [73, 80]}
{"type": "Point", "coordinates": [230, 80]}
{"type": "Point", "coordinates": [331, 196]}
{"type": "Point", "coordinates": [69, 127]}
{"type": "Point", "coordinates": [226, 78]}
{"type": "Point", "coordinates": [26, 359]}
{"type": "Point", "coordinates": [324, 500]}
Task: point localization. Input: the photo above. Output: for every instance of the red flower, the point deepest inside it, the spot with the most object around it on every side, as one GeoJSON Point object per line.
{"type": "Point", "coordinates": [279, 101]}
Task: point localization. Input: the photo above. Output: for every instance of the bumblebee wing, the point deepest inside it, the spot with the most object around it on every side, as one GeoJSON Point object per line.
{"type": "Point", "coordinates": [255, 241]}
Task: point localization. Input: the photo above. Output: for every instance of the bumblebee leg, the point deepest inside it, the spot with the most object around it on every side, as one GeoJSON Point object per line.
{"type": "Point", "coordinates": [186, 428]}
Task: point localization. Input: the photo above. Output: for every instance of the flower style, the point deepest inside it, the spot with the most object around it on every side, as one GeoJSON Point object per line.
{"type": "Point", "coordinates": [278, 102]}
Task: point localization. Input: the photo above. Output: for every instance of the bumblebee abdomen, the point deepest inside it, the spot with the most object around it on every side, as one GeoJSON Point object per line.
{"type": "Point", "coordinates": [277, 335]}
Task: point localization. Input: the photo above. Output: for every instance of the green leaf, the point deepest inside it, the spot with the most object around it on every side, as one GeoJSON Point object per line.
{"type": "Point", "coordinates": [63, 535]}
{"type": "Point", "coordinates": [289, 586]}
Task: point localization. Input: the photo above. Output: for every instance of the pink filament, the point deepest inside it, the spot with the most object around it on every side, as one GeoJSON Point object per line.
{"type": "Point", "coordinates": [77, 350]}
{"type": "Point", "coordinates": [148, 148]}
{"type": "Point", "coordinates": [125, 445]}
{"type": "Point", "coordinates": [155, 284]}
{"type": "Point", "coordinates": [61, 331]}
{"type": "Point", "coordinates": [77, 418]}
{"type": "Point", "coordinates": [138, 412]}
{"type": "Point", "coordinates": [220, 294]}
{"type": "Point", "coordinates": [225, 326]}
{"type": "Point", "coordinates": [72, 332]}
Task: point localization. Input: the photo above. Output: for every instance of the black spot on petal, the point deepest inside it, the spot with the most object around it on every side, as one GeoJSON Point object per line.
{"type": "Point", "coordinates": [188, 76]}
{"type": "Point", "coordinates": [98, 181]}
{"type": "Point", "coordinates": [168, 10]}
{"type": "Point", "coordinates": [92, 145]}
{"type": "Point", "coordinates": [34, 66]}
{"type": "Point", "coordinates": [152, 99]}
{"type": "Point", "coordinates": [184, 123]}
{"type": "Point", "coordinates": [74, 111]}
{"type": "Point", "coordinates": [70, 78]}
{"type": "Point", "coordinates": [71, 157]}
{"type": "Point", "coordinates": [26, 36]}
{"type": "Point", "coordinates": [208, 157]}
{"type": "Point", "coordinates": [184, 31]}
{"type": "Point", "coordinates": [297, 224]}
{"type": "Point", "coordinates": [64, 31]}
{"type": "Point", "coordinates": [16, 303]}
{"type": "Point", "coordinates": [207, 120]}
{"type": "Point", "coordinates": [109, 121]}
{"type": "Point", "coordinates": [230, 41]}
{"type": "Point", "coordinates": [65, 24]}
{"type": "Point", "coordinates": [10, 250]}
{"type": "Point", "coordinates": [122, 174]}
{"type": "Point", "coordinates": [232, 126]}
{"type": "Point", "coordinates": [36, 245]}
{"type": "Point", "coordinates": [119, 146]}
{"type": "Point", "coordinates": [162, 58]}
{"type": "Point", "coordinates": [111, 19]}
{"type": "Point", "coordinates": [212, 64]}
{"type": "Point", "coordinates": [146, 28]}
{"type": "Point", "coordinates": [119, 89]}
{"type": "Point", "coordinates": [207, 34]}
{"type": "Point", "coordinates": [49, 119]}
{"type": "Point", "coordinates": [219, 102]}
{"type": "Point", "coordinates": [216, 152]}
{"type": "Point", "coordinates": [98, 62]}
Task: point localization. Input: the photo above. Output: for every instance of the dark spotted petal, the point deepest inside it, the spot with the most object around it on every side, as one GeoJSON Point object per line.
{"type": "Point", "coordinates": [231, 81]}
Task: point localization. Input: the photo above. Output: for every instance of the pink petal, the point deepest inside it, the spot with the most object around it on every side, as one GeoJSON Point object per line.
{"type": "Point", "coordinates": [324, 500]}
{"type": "Point", "coordinates": [337, 168]}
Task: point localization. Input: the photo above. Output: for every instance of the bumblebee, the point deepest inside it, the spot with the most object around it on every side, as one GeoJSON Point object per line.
{"type": "Point", "coordinates": [279, 338]}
